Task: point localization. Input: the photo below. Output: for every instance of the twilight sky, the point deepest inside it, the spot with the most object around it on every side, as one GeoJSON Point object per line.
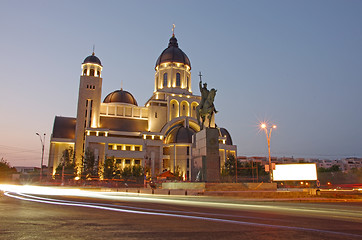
{"type": "Point", "coordinates": [296, 64]}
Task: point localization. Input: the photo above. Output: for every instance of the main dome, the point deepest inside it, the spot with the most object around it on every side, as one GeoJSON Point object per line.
{"type": "Point", "coordinates": [92, 59]}
{"type": "Point", "coordinates": [120, 96]}
{"type": "Point", "coordinates": [180, 134]}
{"type": "Point", "coordinates": [173, 54]}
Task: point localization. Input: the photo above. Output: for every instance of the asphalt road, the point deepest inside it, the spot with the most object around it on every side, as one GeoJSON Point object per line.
{"type": "Point", "coordinates": [131, 216]}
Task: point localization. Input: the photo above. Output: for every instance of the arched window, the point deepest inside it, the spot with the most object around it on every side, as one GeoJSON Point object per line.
{"type": "Point", "coordinates": [178, 79]}
{"type": "Point", "coordinates": [85, 71]}
{"type": "Point", "coordinates": [174, 111]}
{"type": "Point", "coordinates": [193, 111]}
{"type": "Point", "coordinates": [91, 72]}
{"type": "Point", "coordinates": [165, 80]}
{"type": "Point", "coordinates": [184, 111]}
{"type": "Point", "coordinates": [99, 73]}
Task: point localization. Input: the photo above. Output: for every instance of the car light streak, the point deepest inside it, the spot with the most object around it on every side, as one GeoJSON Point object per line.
{"type": "Point", "coordinates": [100, 207]}
{"type": "Point", "coordinates": [37, 190]}
{"type": "Point", "coordinates": [144, 209]}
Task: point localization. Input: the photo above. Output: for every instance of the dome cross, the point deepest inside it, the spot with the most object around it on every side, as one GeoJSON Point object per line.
{"type": "Point", "coordinates": [173, 30]}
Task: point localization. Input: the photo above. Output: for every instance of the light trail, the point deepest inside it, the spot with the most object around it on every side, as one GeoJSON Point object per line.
{"type": "Point", "coordinates": [26, 197]}
{"type": "Point", "coordinates": [193, 201]}
{"type": "Point", "coordinates": [146, 209]}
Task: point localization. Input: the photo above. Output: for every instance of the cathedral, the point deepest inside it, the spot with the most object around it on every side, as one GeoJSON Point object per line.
{"type": "Point", "coordinates": [157, 136]}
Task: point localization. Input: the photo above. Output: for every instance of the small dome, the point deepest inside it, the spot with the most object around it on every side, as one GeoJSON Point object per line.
{"type": "Point", "coordinates": [223, 133]}
{"type": "Point", "coordinates": [92, 59]}
{"type": "Point", "coordinates": [180, 134]}
{"type": "Point", "coordinates": [173, 54]}
{"type": "Point", "coordinates": [120, 96]}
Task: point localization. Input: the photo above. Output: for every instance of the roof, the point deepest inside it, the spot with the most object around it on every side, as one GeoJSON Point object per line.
{"type": "Point", "coordinates": [92, 59]}
{"type": "Point", "coordinates": [173, 54]}
{"type": "Point", "coordinates": [120, 96]}
{"type": "Point", "coordinates": [226, 133]}
{"type": "Point", "coordinates": [64, 127]}
{"type": "Point", "coordinates": [180, 134]}
{"type": "Point", "coordinates": [124, 124]}
{"type": "Point", "coordinates": [167, 174]}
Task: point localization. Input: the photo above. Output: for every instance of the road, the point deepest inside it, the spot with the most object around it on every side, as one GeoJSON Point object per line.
{"type": "Point", "coordinates": [108, 215]}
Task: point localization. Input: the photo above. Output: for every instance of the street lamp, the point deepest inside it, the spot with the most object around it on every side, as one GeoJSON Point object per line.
{"type": "Point", "coordinates": [268, 131]}
{"type": "Point", "coordinates": [42, 141]}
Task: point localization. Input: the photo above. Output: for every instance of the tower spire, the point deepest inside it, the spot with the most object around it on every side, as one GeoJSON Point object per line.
{"type": "Point", "coordinates": [173, 30]}
{"type": "Point", "coordinates": [94, 46]}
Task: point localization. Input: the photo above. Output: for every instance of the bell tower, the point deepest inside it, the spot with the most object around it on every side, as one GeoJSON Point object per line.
{"type": "Point", "coordinates": [89, 101]}
{"type": "Point", "coordinates": [173, 70]}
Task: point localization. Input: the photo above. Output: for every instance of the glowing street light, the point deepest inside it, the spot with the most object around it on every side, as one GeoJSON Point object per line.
{"type": "Point", "coordinates": [268, 131]}
{"type": "Point", "coordinates": [42, 141]}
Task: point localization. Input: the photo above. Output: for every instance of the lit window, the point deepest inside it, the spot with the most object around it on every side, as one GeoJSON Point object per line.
{"type": "Point", "coordinates": [178, 80]}
{"type": "Point", "coordinates": [165, 80]}
{"type": "Point", "coordinates": [128, 148]}
{"type": "Point", "coordinates": [91, 72]}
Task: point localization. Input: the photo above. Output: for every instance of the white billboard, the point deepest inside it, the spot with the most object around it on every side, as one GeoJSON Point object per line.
{"type": "Point", "coordinates": [295, 172]}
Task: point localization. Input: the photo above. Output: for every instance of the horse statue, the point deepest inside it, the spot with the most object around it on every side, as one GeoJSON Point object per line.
{"type": "Point", "coordinates": [206, 108]}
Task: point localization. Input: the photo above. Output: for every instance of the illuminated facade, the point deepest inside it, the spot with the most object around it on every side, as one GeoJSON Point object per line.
{"type": "Point", "coordinates": [157, 136]}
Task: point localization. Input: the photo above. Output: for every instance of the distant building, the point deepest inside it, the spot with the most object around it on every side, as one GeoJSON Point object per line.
{"type": "Point", "coordinates": [345, 164]}
{"type": "Point", "coordinates": [157, 135]}
{"type": "Point", "coordinates": [26, 170]}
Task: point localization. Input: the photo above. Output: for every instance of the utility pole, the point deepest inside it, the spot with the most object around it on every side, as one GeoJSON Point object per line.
{"type": "Point", "coordinates": [42, 141]}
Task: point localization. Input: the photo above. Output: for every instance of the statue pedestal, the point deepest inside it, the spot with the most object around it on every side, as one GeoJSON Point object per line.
{"type": "Point", "coordinates": [206, 160]}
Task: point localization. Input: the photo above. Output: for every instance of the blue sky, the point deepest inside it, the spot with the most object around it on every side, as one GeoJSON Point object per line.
{"type": "Point", "coordinates": [296, 64]}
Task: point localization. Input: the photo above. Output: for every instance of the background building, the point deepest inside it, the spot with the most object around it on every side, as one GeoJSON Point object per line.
{"type": "Point", "coordinates": [157, 136]}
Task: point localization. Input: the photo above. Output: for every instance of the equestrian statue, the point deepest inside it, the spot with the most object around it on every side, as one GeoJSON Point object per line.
{"type": "Point", "coordinates": [206, 108]}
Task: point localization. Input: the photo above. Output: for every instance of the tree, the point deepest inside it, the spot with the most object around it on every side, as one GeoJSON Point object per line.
{"type": "Point", "coordinates": [126, 173]}
{"type": "Point", "coordinates": [228, 172]}
{"type": "Point", "coordinates": [109, 168]}
{"type": "Point", "coordinates": [334, 168]}
{"type": "Point", "coordinates": [229, 167]}
{"type": "Point", "coordinates": [137, 171]}
{"type": "Point", "coordinates": [66, 166]}
{"type": "Point", "coordinates": [89, 164]}
{"type": "Point", "coordinates": [6, 170]}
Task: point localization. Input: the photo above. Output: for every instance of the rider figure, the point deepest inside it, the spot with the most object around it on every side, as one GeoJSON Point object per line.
{"type": "Point", "coordinates": [204, 93]}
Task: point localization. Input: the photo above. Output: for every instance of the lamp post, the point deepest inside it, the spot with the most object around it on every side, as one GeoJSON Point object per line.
{"type": "Point", "coordinates": [42, 141]}
{"type": "Point", "coordinates": [268, 131]}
